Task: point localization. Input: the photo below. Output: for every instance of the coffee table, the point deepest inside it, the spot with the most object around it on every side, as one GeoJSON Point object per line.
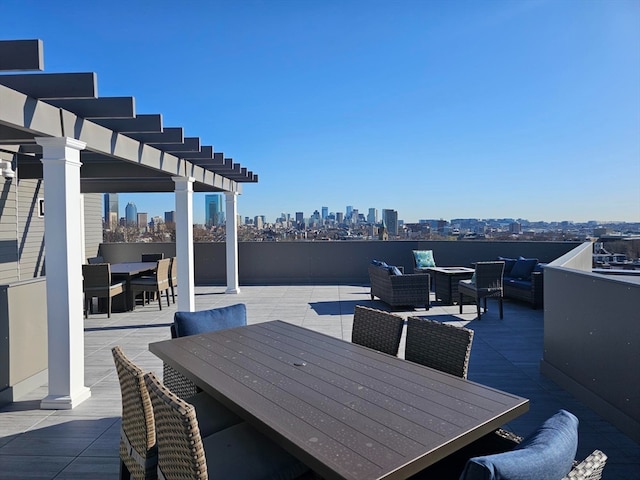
{"type": "Point", "coordinates": [445, 281]}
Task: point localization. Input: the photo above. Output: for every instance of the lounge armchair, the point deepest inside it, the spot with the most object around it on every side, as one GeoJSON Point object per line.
{"type": "Point", "coordinates": [486, 283]}
{"type": "Point", "coordinates": [399, 290]}
{"type": "Point", "coordinates": [97, 283]}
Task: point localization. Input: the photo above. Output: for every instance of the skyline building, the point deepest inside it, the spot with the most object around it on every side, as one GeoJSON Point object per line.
{"type": "Point", "coordinates": [372, 216]}
{"type": "Point", "coordinates": [325, 213]}
{"type": "Point", "coordinates": [142, 221]}
{"type": "Point", "coordinates": [111, 210]}
{"type": "Point", "coordinates": [131, 214]}
{"type": "Point", "coordinates": [170, 217]}
{"type": "Point", "coordinates": [213, 210]}
{"type": "Point", "coordinates": [390, 220]}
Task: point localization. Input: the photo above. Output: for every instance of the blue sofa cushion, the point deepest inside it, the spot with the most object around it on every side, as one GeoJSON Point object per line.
{"type": "Point", "coordinates": [424, 258]}
{"type": "Point", "coordinates": [517, 283]}
{"type": "Point", "coordinates": [523, 268]}
{"type": "Point", "coordinates": [194, 323]}
{"type": "Point", "coordinates": [393, 270]}
{"type": "Point", "coordinates": [547, 454]}
{"type": "Point", "coordinates": [508, 265]}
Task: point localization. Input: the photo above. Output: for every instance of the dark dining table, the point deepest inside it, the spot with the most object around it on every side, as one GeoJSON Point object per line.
{"type": "Point", "coordinates": [346, 411]}
{"type": "Point", "coordinates": [125, 271]}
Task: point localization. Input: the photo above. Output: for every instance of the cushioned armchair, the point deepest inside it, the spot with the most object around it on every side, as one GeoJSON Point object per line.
{"type": "Point", "coordinates": [486, 283]}
{"type": "Point", "coordinates": [399, 290]}
{"type": "Point", "coordinates": [422, 260]}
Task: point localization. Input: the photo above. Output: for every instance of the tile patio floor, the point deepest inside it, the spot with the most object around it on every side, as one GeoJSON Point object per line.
{"type": "Point", "coordinates": [83, 443]}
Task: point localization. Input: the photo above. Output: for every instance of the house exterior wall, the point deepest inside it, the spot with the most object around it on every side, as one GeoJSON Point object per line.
{"type": "Point", "coordinates": [8, 231]}
{"type": "Point", "coordinates": [31, 255]}
{"type": "Point", "coordinates": [93, 211]}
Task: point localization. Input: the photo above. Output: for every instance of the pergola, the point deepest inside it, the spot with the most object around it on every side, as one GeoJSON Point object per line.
{"type": "Point", "coordinates": [56, 128]}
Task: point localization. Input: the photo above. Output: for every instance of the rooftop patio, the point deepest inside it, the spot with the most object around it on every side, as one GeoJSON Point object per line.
{"type": "Point", "coordinates": [82, 443]}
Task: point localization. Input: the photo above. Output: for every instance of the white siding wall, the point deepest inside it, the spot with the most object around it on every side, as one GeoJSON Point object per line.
{"type": "Point", "coordinates": [30, 229]}
{"type": "Point", "coordinates": [92, 223]}
{"type": "Point", "coordinates": [8, 231]}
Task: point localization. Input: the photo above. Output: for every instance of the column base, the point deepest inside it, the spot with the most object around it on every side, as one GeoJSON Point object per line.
{"type": "Point", "coordinates": [233, 290]}
{"type": "Point", "coordinates": [65, 402]}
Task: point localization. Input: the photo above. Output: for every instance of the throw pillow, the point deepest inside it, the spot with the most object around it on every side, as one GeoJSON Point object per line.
{"type": "Point", "coordinates": [424, 258]}
{"type": "Point", "coordinates": [194, 323]}
{"type": "Point", "coordinates": [547, 454]}
{"type": "Point", "coordinates": [523, 268]}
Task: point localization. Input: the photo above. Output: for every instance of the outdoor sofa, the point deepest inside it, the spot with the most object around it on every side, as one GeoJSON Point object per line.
{"type": "Point", "coordinates": [523, 280]}
{"type": "Point", "coordinates": [390, 285]}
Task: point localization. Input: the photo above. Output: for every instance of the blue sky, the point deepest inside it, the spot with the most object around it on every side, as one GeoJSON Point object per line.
{"type": "Point", "coordinates": [437, 109]}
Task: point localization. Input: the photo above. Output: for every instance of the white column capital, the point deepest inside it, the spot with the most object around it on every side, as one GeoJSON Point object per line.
{"type": "Point", "coordinates": [62, 149]}
{"type": "Point", "coordinates": [184, 184]}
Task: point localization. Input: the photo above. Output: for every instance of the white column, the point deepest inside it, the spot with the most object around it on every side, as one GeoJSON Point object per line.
{"type": "Point", "coordinates": [184, 243]}
{"type": "Point", "coordinates": [232, 242]}
{"type": "Point", "coordinates": [63, 249]}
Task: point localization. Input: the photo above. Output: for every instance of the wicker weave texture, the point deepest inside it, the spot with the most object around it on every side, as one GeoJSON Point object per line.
{"type": "Point", "coordinates": [137, 417]}
{"type": "Point", "coordinates": [180, 449]}
{"type": "Point", "coordinates": [178, 383]}
{"type": "Point", "coordinates": [399, 290]}
{"type": "Point", "coordinates": [487, 284]}
{"type": "Point", "coordinates": [437, 345]}
{"type": "Point", "coordinates": [590, 468]}
{"type": "Point", "coordinates": [377, 329]}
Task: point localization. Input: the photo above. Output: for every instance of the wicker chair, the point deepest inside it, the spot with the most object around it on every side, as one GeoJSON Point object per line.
{"type": "Point", "coordinates": [138, 452]}
{"type": "Point", "coordinates": [487, 283]}
{"type": "Point", "coordinates": [157, 283]}
{"type": "Point", "coordinates": [97, 283]}
{"type": "Point", "coordinates": [437, 345]}
{"type": "Point", "coordinates": [176, 381]}
{"type": "Point", "coordinates": [377, 329]}
{"type": "Point", "coordinates": [400, 290]}
{"type": "Point", "coordinates": [236, 452]}
{"type": "Point", "coordinates": [173, 277]}
{"type": "Point", "coordinates": [502, 441]}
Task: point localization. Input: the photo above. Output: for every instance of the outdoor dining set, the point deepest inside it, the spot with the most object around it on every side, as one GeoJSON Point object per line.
{"type": "Point", "coordinates": [276, 400]}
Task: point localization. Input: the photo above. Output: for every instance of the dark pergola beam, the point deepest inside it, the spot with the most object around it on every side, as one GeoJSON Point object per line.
{"type": "Point", "coordinates": [141, 123]}
{"type": "Point", "coordinates": [205, 153]}
{"type": "Point", "coordinates": [21, 55]}
{"type": "Point", "coordinates": [53, 85]}
{"type": "Point", "coordinates": [168, 135]}
{"type": "Point", "coordinates": [107, 107]}
{"type": "Point", "coordinates": [190, 144]}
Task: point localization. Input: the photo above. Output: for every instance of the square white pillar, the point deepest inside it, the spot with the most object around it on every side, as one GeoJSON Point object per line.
{"type": "Point", "coordinates": [63, 250]}
{"type": "Point", "coordinates": [232, 242]}
{"type": "Point", "coordinates": [184, 243]}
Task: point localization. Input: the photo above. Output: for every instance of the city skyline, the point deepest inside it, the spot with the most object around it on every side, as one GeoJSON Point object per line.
{"type": "Point", "coordinates": [435, 109]}
{"type": "Point", "coordinates": [361, 210]}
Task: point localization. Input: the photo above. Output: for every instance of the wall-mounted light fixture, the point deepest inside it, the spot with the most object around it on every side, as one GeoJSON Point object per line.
{"type": "Point", "coordinates": [5, 169]}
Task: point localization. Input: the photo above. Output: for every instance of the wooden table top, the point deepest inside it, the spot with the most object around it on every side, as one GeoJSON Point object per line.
{"type": "Point", "coordinates": [132, 268]}
{"type": "Point", "coordinates": [346, 411]}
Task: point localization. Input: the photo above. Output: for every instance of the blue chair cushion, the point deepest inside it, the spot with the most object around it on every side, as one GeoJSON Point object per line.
{"type": "Point", "coordinates": [523, 268]}
{"type": "Point", "coordinates": [547, 454]}
{"type": "Point", "coordinates": [424, 258]}
{"type": "Point", "coordinates": [194, 323]}
{"type": "Point", "coordinates": [508, 265]}
{"type": "Point", "coordinates": [517, 283]}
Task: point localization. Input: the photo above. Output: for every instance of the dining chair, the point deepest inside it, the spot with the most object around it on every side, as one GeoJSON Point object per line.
{"type": "Point", "coordinates": [138, 451]}
{"type": "Point", "coordinates": [97, 283]}
{"type": "Point", "coordinates": [438, 345]}
{"type": "Point", "coordinates": [549, 452]}
{"type": "Point", "coordinates": [377, 329]}
{"type": "Point", "coordinates": [173, 277]}
{"type": "Point", "coordinates": [156, 283]}
{"type": "Point", "coordinates": [193, 323]}
{"type": "Point", "coordinates": [239, 451]}
{"type": "Point", "coordinates": [485, 283]}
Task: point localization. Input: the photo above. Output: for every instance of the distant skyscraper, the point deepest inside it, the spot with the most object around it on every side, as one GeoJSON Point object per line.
{"type": "Point", "coordinates": [111, 213]}
{"type": "Point", "coordinates": [390, 219]}
{"type": "Point", "coordinates": [213, 210]}
{"type": "Point", "coordinates": [372, 216]}
{"type": "Point", "coordinates": [131, 214]}
{"type": "Point", "coordinates": [170, 217]}
{"type": "Point", "coordinates": [325, 212]}
{"type": "Point", "coordinates": [300, 219]}
{"type": "Point", "coordinates": [340, 217]}
{"type": "Point", "coordinates": [143, 221]}
{"type": "Point", "coordinates": [349, 212]}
